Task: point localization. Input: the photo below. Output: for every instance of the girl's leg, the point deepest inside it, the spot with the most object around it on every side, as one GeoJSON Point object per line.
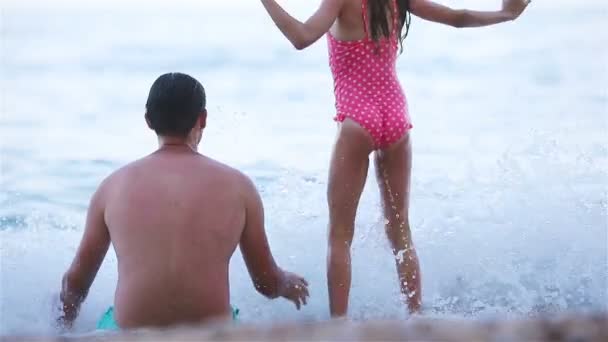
{"type": "Point", "coordinates": [393, 171]}
{"type": "Point", "coordinates": [347, 174]}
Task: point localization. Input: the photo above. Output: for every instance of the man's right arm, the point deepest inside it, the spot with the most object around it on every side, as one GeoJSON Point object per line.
{"type": "Point", "coordinates": [89, 257]}
{"type": "Point", "coordinates": [267, 277]}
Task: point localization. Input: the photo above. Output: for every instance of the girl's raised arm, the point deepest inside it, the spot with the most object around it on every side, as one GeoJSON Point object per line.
{"type": "Point", "coordinates": [429, 10]}
{"type": "Point", "coordinates": [302, 35]}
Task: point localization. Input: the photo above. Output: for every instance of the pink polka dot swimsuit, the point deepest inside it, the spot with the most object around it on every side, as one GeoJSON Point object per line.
{"type": "Point", "coordinates": [366, 86]}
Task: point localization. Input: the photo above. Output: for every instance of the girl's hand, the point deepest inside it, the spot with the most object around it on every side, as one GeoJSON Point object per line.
{"type": "Point", "coordinates": [514, 7]}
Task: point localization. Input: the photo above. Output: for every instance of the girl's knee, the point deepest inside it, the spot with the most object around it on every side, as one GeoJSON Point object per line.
{"type": "Point", "coordinates": [341, 237]}
{"type": "Point", "coordinates": [400, 238]}
{"type": "Point", "coordinates": [338, 252]}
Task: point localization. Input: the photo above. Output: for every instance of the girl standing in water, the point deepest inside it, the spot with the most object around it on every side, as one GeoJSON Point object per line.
{"type": "Point", "coordinates": [364, 39]}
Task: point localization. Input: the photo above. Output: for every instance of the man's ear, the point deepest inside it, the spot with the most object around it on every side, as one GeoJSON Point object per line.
{"type": "Point", "coordinates": [148, 121]}
{"type": "Point", "coordinates": [203, 119]}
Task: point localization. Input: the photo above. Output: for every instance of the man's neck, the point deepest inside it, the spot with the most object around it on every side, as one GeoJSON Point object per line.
{"type": "Point", "coordinates": [165, 143]}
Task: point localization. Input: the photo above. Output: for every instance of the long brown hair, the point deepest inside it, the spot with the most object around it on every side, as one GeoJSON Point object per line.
{"type": "Point", "coordinates": [378, 23]}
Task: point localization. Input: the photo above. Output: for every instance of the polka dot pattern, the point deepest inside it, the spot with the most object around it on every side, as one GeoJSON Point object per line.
{"type": "Point", "coordinates": [366, 86]}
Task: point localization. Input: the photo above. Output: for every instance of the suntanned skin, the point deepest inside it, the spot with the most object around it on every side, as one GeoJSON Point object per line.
{"type": "Point", "coordinates": [175, 218]}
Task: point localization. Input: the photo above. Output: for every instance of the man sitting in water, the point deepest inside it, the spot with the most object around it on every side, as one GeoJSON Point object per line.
{"type": "Point", "coordinates": [175, 218]}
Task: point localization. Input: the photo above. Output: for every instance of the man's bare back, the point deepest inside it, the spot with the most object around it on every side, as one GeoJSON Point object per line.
{"type": "Point", "coordinates": [175, 218]}
{"type": "Point", "coordinates": [174, 215]}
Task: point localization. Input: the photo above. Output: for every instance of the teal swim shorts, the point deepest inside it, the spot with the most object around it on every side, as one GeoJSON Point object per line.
{"type": "Point", "coordinates": [107, 321]}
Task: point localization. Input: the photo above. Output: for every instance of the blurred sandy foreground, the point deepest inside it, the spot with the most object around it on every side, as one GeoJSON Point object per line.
{"type": "Point", "coordinates": [566, 327]}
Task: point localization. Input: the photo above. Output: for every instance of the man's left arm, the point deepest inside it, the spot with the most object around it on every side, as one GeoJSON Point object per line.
{"type": "Point", "coordinates": [89, 257]}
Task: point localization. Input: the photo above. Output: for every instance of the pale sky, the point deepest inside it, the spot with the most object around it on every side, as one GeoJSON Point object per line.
{"type": "Point", "coordinates": [214, 3]}
{"type": "Point", "coordinates": [301, 6]}
{"type": "Point", "coordinates": [131, 3]}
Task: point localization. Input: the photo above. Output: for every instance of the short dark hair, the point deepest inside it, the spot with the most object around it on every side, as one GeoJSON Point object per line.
{"type": "Point", "coordinates": [174, 104]}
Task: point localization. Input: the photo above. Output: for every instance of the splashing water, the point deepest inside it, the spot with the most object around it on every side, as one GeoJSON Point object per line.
{"type": "Point", "coordinates": [509, 187]}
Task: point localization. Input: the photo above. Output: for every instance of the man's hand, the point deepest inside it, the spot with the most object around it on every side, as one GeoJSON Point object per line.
{"type": "Point", "coordinates": [294, 288]}
{"type": "Point", "coordinates": [66, 320]}
{"type": "Point", "coordinates": [515, 7]}
{"type": "Point", "coordinates": [69, 305]}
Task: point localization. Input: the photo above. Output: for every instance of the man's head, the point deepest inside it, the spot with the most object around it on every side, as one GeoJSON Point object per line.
{"type": "Point", "coordinates": [176, 107]}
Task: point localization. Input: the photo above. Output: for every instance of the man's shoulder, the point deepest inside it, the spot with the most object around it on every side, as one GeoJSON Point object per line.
{"type": "Point", "coordinates": [122, 172]}
{"type": "Point", "coordinates": [125, 169]}
{"type": "Point", "coordinates": [228, 171]}
{"type": "Point", "coordinates": [220, 172]}
{"type": "Point", "coordinates": [111, 179]}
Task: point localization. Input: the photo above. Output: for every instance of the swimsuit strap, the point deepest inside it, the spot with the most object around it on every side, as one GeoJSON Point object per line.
{"type": "Point", "coordinates": [365, 22]}
{"type": "Point", "coordinates": [395, 18]}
